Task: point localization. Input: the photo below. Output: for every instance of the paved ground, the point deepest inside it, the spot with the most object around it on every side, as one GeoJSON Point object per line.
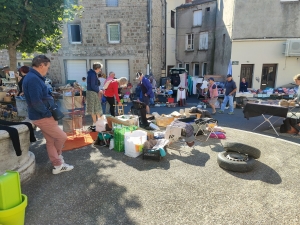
{"type": "Point", "coordinates": [186, 187]}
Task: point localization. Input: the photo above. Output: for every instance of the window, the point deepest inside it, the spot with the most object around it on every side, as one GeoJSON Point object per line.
{"type": "Point", "coordinates": [187, 67]}
{"type": "Point", "coordinates": [112, 3]}
{"type": "Point", "coordinates": [113, 31]}
{"type": "Point", "coordinates": [179, 65]}
{"type": "Point", "coordinates": [189, 42]}
{"type": "Point", "coordinates": [196, 69]}
{"type": "Point", "coordinates": [172, 19]}
{"type": "Point", "coordinates": [204, 69]}
{"type": "Point", "coordinates": [197, 18]}
{"type": "Point", "coordinates": [24, 63]}
{"type": "Point", "coordinates": [207, 9]}
{"type": "Point", "coordinates": [74, 33]}
{"type": "Point", "coordinates": [203, 41]}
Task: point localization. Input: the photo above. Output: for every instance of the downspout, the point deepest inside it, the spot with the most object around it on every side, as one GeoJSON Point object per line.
{"type": "Point", "coordinates": [148, 36]}
{"type": "Point", "coordinates": [150, 33]}
{"type": "Point", "coordinates": [165, 66]}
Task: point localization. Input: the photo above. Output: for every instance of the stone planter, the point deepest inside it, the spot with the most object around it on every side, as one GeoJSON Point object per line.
{"type": "Point", "coordinates": [24, 164]}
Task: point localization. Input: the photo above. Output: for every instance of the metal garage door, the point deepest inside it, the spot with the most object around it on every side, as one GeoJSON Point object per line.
{"type": "Point", "coordinates": [119, 67]}
{"type": "Point", "coordinates": [76, 69]}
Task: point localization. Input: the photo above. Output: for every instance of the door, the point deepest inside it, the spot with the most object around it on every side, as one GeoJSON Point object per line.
{"type": "Point", "coordinates": [76, 69]}
{"type": "Point", "coordinates": [268, 76]}
{"type": "Point", "coordinates": [168, 70]}
{"type": "Point", "coordinates": [119, 67]}
{"type": "Point", "coordinates": [247, 73]}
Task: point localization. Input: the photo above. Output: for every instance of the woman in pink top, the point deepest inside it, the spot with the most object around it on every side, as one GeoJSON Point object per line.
{"type": "Point", "coordinates": [213, 94]}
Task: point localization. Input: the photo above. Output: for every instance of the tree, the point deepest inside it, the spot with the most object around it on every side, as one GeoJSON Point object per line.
{"type": "Point", "coordinates": [34, 25]}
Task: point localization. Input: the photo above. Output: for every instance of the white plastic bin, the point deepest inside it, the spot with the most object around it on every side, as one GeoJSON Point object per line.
{"type": "Point", "coordinates": [133, 142]}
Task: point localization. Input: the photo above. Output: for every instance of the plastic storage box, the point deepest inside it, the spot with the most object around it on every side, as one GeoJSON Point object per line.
{"type": "Point", "coordinates": [10, 190]}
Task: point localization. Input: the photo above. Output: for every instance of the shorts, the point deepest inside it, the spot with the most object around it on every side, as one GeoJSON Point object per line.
{"type": "Point", "coordinates": [84, 93]}
{"type": "Point", "coordinates": [146, 100]}
{"type": "Point", "coordinates": [213, 101]}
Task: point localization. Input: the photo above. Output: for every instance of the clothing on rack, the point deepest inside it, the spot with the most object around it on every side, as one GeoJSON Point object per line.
{"type": "Point", "coordinates": [14, 135]}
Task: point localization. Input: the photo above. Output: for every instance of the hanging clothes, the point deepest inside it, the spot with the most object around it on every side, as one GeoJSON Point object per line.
{"type": "Point", "coordinates": [14, 134]}
{"type": "Point", "coordinates": [190, 84]}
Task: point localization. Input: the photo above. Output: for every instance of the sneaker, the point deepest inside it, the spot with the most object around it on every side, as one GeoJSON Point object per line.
{"type": "Point", "coordinates": [231, 113]}
{"type": "Point", "coordinates": [61, 159]}
{"type": "Point", "coordinates": [220, 111]}
{"type": "Point", "coordinates": [62, 168]}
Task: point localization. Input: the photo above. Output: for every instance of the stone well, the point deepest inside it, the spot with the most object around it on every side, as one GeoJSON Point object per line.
{"type": "Point", "coordinates": [24, 164]}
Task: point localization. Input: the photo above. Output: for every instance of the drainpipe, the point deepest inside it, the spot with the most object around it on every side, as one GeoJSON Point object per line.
{"type": "Point", "coordinates": [165, 66]}
{"type": "Point", "coordinates": [150, 35]}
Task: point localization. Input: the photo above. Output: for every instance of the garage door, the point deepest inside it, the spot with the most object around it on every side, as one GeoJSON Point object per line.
{"type": "Point", "coordinates": [76, 69]}
{"type": "Point", "coordinates": [119, 67]}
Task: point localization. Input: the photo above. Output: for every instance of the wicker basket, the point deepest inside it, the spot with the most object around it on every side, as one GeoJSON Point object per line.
{"type": "Point", "coordinates": [164, 121]}
{"type": "Point", "coordinates": [284, 103]}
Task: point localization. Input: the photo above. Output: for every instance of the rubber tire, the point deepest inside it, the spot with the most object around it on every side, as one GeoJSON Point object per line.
{"type": "Point", "coordinates": [242, 148]}
{"type": "Point", "coordinates": [236, 166]}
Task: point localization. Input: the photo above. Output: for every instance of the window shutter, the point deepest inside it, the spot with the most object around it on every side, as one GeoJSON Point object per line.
{"type": "Point", "coordinates": [203, 41]}
{"type": "Point", "coordinates": [197, 18]}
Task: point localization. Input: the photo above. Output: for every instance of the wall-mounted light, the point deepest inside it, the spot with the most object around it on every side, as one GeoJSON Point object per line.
{"type": "Point", "coordinates": [257, 79]}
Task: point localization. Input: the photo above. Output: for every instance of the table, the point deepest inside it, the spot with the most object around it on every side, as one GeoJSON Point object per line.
{"type": "Point", "coordinates": [256, 109]}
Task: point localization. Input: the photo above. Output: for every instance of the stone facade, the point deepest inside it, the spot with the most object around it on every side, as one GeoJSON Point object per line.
{"type": "Point", "coordinates": [184, 21]}
{"type": "Point", "coordinates": [132, 15]}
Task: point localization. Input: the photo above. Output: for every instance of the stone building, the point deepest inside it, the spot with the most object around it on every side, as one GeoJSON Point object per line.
{"type": "Point", "coordinates": [195, 36]}
{"type": "Point", "coordinates": [258, 38]}
{"type": "Point", "coordinates": [125, 36]}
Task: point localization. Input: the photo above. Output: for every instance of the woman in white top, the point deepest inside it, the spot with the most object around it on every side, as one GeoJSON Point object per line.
{"type": "Point", "coordinates": [102, 79]}
{"type": "Point", "coordinates": [204, 86]}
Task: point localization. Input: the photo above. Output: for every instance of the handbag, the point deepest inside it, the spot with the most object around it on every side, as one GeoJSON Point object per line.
{"type": "Point", "coordinates": [56, 113]}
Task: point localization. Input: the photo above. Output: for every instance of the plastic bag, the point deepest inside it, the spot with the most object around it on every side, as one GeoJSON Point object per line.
{"type": "Point", "coordinates": [101, 123]}
{"type": "Point", "coordinates": [111, 144]}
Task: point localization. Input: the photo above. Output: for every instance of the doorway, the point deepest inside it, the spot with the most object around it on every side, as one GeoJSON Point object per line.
{"type": "Point", "coordinates": [168, 70]}
{"type": "Point", "coordinates": [247, 73]}
{"type": "Point", "coordinates": [268, 76]}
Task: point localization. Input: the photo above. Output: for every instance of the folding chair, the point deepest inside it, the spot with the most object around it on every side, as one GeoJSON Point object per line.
{"type": "Point", "coordinates": [203, 126]}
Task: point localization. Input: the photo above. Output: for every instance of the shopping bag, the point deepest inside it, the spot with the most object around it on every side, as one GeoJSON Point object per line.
{"type": "Point", "coordinates": [101, 124]}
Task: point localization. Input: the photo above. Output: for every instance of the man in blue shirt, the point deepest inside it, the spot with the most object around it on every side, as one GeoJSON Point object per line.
{"type": "Point", "coordinates": [146, 90]}
{"type": "Point", "coordinates": [230, 87]}
{"type": "Point", "coordinates": [39, 101]}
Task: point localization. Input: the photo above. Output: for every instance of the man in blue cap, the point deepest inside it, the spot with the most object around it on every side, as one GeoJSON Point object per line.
{"type": "Point", "coordinates": [230, 89]}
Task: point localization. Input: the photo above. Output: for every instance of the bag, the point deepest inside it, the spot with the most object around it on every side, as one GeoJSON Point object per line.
{"type": "Point", "coordinates": [101, 124]}
{"type": "Point", "coordinates": [56, 113]}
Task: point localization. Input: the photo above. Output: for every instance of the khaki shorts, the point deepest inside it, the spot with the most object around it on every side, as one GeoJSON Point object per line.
{"type": "Point", "coordinates": [212, 101]}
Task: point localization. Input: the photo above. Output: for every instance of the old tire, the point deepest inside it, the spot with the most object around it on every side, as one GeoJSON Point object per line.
{"type": "Point", "coordinates": [242, 148]}
{"type": "Point", "coordinates": [236, 162]}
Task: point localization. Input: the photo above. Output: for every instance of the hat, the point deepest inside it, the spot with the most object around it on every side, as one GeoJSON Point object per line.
{"type": "Point", "coordinates": [211, 78]}
{"type": "Point", "coordinates": [5, 67]}
{"type": "Point", "coordinates": [138, 75]}
{"type": "Point", "coordinates": [229, 75]}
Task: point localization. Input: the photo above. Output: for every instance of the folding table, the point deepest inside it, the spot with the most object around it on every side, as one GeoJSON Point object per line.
{"type": "Point", "coordinates": [256, 109]}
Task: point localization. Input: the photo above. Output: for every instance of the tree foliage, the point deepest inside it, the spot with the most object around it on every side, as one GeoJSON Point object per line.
{"type": "Point", "coordinates": [34, 25]}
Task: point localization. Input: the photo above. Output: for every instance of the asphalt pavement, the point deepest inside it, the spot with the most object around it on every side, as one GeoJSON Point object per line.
{"type": "Point", "coordinates": [186, 187]}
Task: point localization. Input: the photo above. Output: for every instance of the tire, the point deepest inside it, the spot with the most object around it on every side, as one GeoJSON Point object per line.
{"type": "Point", "coordinates": [242, 148]}
{"type": "Point", "coordinates": [236, 166]}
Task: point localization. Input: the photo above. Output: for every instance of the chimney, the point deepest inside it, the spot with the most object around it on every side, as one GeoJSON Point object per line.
{"type": "Point", "coordinates": [188, 1]}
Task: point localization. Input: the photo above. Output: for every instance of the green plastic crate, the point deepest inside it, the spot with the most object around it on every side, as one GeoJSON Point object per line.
{"type": "Point", "coordinates": [10, 190]}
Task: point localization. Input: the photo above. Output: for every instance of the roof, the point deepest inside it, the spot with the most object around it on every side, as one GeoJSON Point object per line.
{"type": "Point", "coordinates": [195, 2]}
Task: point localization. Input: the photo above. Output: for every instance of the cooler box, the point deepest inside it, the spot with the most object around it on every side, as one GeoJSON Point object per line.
{"type": "Point", "coordinates": [10, 190]}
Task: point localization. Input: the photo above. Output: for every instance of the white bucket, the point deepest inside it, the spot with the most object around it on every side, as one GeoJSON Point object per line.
{"type": "Point", "coordinates": [133, 142]}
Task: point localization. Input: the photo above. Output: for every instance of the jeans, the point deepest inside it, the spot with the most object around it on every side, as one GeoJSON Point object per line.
{"type": "Point", "coordinates": [226, 99]}
{"type": "Point", "coordinates": [151, 101]}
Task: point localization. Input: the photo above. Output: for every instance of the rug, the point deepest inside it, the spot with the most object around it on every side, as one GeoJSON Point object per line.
{"type": "Point", "coordinates": [79, 141]}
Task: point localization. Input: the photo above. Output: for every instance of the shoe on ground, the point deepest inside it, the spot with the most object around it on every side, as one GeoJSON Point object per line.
{"type": "Point", "coordinates": [231, 113]}
{"type": "Point", "coordinates": [213, 113]}
{"type": "Point", "coordinates": [62, 168]}
{"type": "Point", "coordinates": [227, 107]}
{"type": "Point", "coordinates": [220, 111]}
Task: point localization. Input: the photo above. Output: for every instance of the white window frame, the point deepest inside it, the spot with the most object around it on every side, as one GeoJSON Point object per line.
{"type": "Point", "coordinates": [112, 3]}
{"type": "Point", "coordinates": [289, 0]}
{"type": "Point", "coordinates": [203, 41]}
{"type": "Point", "coordinates": [108, 32]}
{"type": "Point", "coordinates": [189, 42]}
{"type": "Point", "coordinates": [197, 18]}
{"type": "Point", "coordinates": [24, 63]}
{"type": "Point", "coordinates": [70, 34]}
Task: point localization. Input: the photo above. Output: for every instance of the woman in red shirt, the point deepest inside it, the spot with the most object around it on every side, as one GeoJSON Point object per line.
{"type": "Point", "coordinates": [111, 92]}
